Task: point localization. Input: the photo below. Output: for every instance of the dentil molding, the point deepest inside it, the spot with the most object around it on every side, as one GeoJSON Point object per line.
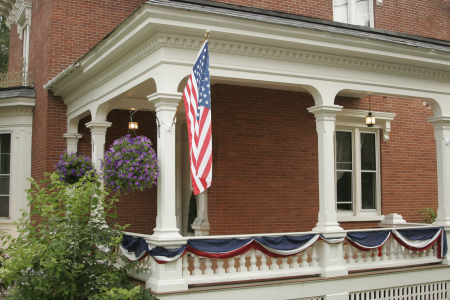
{"type": "Point", "coordinates": [168, 40]}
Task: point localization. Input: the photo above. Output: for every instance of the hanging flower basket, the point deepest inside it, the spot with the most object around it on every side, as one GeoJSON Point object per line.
{"type": "Point", "coordinates": [130, 164]}
{"type": "Point", "coordinates": [71, 167]}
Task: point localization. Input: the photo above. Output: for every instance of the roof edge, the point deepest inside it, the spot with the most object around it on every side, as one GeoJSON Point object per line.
{"type": "Point", "coordinates": [284, 15]}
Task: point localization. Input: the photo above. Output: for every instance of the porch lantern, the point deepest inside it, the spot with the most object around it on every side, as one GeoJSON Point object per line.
{"type": "Point", "coordinates": [370, 120]}
{"type": "Point", "coordinates": [133, 124]}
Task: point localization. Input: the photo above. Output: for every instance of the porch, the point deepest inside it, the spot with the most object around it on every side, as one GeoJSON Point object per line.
{"type": "Point", "coordinates": [280, 99]}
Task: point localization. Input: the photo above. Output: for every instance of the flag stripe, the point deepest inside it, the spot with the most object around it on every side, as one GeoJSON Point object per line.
{"type": "Point", "coordinates": [197, 101]}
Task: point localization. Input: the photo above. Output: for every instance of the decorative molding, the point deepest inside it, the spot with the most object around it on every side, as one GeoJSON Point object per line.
{"type": "Point", "coordinates": [16, 112]}
{"type": "Point", "coordinates": [440, 122]}
{"type": "Point", "coordinates": [165, 40]}
{"type": "Point", "coordinates": [17, 12]}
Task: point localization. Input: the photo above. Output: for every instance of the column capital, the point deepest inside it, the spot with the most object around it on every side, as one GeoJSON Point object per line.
{"type": "Point", "coordinates": [98, 126]}
{"type": "Point", "coordinates": [165, 101]}
{"type": "Point", "coordinates": [327, 112]}
{"type": "Point", "coordinates": [440, 122]}
{"type": "Point", "coordinates": [72, 136]}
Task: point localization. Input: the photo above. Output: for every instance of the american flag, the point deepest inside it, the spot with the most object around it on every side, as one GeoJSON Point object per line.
{"type": "Point", "coordinates": [197, 102]}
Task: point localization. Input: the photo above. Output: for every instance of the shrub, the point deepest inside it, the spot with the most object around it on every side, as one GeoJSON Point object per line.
{"type": "Point", "coordinates": [69, 253]}
{"type": "Point", "coordinates": [71, 167]}
{"type": "Point", "coordinates": [130, 164]}
{"type": "Point", "coordinates": [428, 214]}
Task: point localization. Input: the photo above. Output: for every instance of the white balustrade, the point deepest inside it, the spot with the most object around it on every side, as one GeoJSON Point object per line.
{"type": "Point", "coordinates": [391, 254]}
{"type": "Point", "coordinates": [256, 265]}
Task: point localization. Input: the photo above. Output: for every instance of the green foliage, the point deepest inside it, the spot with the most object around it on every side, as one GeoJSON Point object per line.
{"type": "Point", "coordinates": [428, 215]}
{"type": "Point", "coordinates": [69, 253]}
{"type": "Point", "coordinates": [192, 213]}
{"type": "Point", "coordinates": [4, 46]}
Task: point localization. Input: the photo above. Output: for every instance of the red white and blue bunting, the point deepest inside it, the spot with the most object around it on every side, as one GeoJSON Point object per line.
{"type": "Point", "coordinates": [413, 239]}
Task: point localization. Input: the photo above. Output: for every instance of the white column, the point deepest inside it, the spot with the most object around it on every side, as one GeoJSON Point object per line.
{"type": "Point", "coordinates": [325, 125]}
{"type": "Point", "coordinates": [166, 221]}
{"type": "Point", "coordinates": [72, 141]}
{"type": "Point", "coordinates": [166, 277]}
{"type": "Point", "coordinates": [98, 135]}
{"type": "Point", "coordinates": [202, 215]}
{"type": "Point", "coordinates": [442, 135]}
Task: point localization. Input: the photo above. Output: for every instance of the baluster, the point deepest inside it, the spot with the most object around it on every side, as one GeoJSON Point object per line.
{"type": "Point", "coordinates": [264, 266]}
{"type": "Point", "coordinates": [284, 264]}
{"type": "Point", "coordinates": [359, 258]}
{"type": "Point", "coordinates": [149, 264]}
{"type": "Point", "coordinates": [407, 254]}
{"type": "Point", "coordinates": [415, 254]}
{"type": "Point", "coordinates": [391, 248]}
{"type": "Point", "coordinates": [375, 255]}
{"type": "Point", "coordinates": [367, 257]}
{"type": "Point", "coordinates": [435, 252]}
{"type": "Point", "coordinates": [231, 267]}
{"type": "Point", "coordinates": [208, 267]}
{"type": "Point", "coordinates": [186, 265]}
{"type": "Point", "coordinates": [350, 259]}
{"type": "Point", "coordinates": [253, 261]}
{"type": "Point", "coordinates": [242, 267]}
{"type": "Point", "coordinates": [304, 259]}
{"type": "Point", "coordinates": [220, 269]}
{"type": "Point", "coordinates": [274, 265]}
{"type": "Point", "coordinates": [399, 251]}
{"type": "Point", "coordinates": [196, 270]}
{"type": "Point", "coordinates": [314, 262]}
{"type": "Point", "coordinates": [294, 263]}
{"type": "Point", "coordinates": [428, 252]}
{"type": "Point", "coordinates": [344, 261]}
{"type": "Point", "coordinates": [384, 252]}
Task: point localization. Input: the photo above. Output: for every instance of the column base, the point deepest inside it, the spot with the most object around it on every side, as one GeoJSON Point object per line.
{"type": "Point", "coordinates": [167, 237]}
{"type": "Point", "coordinates": [165, 286]}
{"type": "Point", "coordinates": [327, 227]}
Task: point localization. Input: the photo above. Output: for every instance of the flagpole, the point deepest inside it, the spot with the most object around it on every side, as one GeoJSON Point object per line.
{"type": "Point", "coordinates": [181, 100]}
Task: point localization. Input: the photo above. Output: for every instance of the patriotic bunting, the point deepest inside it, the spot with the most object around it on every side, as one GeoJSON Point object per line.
{"type": "Point", "coordinates": [419, 239]}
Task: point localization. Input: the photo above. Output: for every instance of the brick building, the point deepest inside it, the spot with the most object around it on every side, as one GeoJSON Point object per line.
{"type": "Point", "coordinates": [290, 90]}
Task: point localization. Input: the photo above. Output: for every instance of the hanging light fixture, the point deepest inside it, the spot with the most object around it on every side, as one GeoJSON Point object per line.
{"type": "Point", "coordinates": [370, 120]}
{"type": "Point", "coordinates": [132, 125]}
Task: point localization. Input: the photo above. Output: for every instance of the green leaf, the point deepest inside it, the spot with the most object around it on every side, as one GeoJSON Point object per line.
{"type": "Point", "coordinates": [95, 201]}
{"type": "Point", "coordinates": [112, 216]}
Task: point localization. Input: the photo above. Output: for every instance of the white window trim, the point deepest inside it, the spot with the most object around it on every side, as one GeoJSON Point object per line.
{"type": "Point", "coordinates": [352, 12]}
{"type": "Point", "coordinates": [354, 120]}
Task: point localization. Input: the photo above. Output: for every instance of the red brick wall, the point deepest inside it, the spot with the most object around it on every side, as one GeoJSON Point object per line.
{"type": "Point", "coordinates": [265, 161]}
{"type": "Point", "coordinates": [15, 50]}
{"type": "Point", "coordinates": [425, 18]}
{"type": "Point", "coordinates": [78, 25]}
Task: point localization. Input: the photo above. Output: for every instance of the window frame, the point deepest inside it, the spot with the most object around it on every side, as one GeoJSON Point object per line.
{"type": "Point", "coordinates": [357, 211]}
{"type": "Point", "coordinates": [10, 163]}
{"type": "Point", "coordinates": [352, 13]}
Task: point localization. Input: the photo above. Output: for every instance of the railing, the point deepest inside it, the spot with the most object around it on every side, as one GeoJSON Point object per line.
{"type": "Point", "coordinates": [14, 79]}
{"type": "Point", "coordinates": [250, 266]}
{"type": "Point", "coordinates": [391, 255]}
{"type": "Point", "coordinates": [255, 265]}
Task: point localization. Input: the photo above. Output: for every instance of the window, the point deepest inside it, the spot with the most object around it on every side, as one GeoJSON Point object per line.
{"type": "Point", "coordinates": [356, 12]}
{"type": "Point", "coordinates": [5, 152]}
{"type": "Point", "coordinates": [357, 171]}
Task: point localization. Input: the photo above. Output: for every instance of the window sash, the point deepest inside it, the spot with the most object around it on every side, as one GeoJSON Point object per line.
{"type": "Point", "coordinates": [5, 179]}
{"type": "Point", "coordinates": [356, 12]}
{"type": "Point", "coordinates": [357, 173]}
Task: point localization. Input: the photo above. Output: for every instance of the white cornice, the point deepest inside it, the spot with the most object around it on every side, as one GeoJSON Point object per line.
{"type": "Point", "coordinates": [16, 12]}
{"type": "Point", "coordinates": [252, 50]}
